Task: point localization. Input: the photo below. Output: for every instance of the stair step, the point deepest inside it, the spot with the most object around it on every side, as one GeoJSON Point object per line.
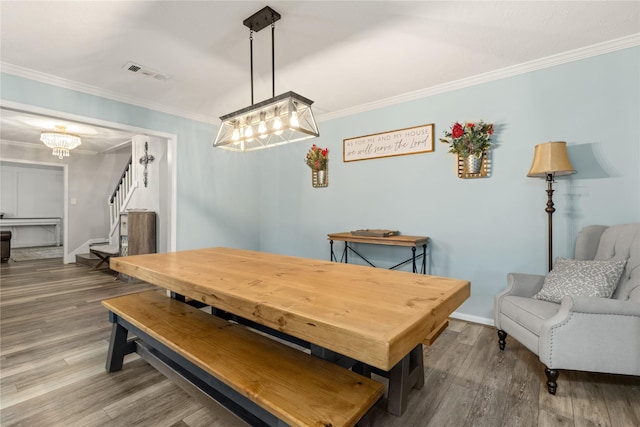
{"type": "Point", "coordinates": [87, 259]}
{"type": "Point", "coordinates": [104, 249]}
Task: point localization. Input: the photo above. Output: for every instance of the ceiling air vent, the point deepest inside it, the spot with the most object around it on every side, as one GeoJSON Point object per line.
{"type": "Point", "coordinates": [145, 71]}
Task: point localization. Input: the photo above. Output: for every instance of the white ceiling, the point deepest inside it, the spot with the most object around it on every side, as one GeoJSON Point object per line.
{"type": "Point", "coordinates": [21, 127]}
{"type": "Point", "coordinates": [341, 54]}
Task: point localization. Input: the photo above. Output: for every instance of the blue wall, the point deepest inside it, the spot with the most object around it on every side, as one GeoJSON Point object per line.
{"type": "Point", "coordinates": [212, 206]}
{"type": "Point", "coordinates": [481, 229]}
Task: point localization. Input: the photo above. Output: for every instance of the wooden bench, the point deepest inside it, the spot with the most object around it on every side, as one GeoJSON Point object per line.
{"type": "Point", "coordinates": [262, 380]}
{"type": "Point", "coordinates": [104, 253]}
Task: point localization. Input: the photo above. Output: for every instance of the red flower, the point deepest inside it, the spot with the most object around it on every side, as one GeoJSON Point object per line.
{"type": "Point", "coordinates": [457, 131]}
{"type": "Point", "coordinates": [317, 157]}
{"type": "Point", "coordinates": [470, 138]}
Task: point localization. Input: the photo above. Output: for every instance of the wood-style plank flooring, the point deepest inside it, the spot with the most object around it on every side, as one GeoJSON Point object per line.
{"type": "Point", "coordinates": [54, 336]}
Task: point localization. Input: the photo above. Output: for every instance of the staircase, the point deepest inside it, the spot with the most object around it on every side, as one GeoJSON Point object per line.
{"type": "Point", "coordinates": [117, 203]}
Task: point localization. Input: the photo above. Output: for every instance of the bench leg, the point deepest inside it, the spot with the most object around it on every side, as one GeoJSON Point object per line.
{"type": "Point", "coordinates": [407, 374]}
{"type": "Point", "coordinates": [118, 348]}
{"type": "Point", "coordinates": [103, 259]}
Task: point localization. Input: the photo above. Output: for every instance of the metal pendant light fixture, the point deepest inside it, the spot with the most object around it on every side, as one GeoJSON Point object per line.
{"type": "Point", "coordinates": [278, 120]}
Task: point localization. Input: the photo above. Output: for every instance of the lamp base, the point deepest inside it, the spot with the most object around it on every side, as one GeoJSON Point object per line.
{"type": "Point", "coordinates": [550, 210]}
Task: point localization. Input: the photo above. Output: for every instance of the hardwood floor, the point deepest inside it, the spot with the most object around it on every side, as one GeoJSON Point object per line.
{"type": "Point", "coordinates": [54, 336]}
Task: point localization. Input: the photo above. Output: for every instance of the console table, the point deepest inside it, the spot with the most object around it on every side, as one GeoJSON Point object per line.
{"type": "Point", "coordinates": [14, 222]}
{"type": "Point", "coordinates": [398, 240]}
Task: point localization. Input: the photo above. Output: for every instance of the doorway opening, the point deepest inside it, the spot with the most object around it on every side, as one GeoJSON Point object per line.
{"type": "Point", "coordinates": [70, 241]}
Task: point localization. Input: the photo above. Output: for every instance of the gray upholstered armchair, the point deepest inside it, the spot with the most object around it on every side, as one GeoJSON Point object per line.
{"type": "Point", "coordinates": [584, 333]}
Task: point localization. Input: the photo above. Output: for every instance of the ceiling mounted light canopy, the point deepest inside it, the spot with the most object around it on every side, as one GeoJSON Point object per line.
{"type": "Point", "coordinates": [60, 141]}
{"type": "Point", "coordinates": [278, 120]}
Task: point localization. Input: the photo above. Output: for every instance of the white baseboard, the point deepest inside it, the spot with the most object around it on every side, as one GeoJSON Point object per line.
{"type": "Point", "coordinates": [473, 319]}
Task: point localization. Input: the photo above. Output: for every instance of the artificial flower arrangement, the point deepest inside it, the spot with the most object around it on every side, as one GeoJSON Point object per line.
{"type": "Point", "coordinates": [317, 158]}
{"type": "Point", "coordinates": [469, 139]}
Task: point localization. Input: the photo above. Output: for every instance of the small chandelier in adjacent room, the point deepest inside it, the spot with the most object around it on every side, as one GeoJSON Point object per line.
{"type": "Point", "coordinates": [60, 141]}
{"type": "Point", "coordinates": [278, 120]}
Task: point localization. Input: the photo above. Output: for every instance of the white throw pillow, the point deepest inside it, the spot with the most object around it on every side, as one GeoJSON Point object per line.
{"type": "Point", "coordinates": [581, 278]}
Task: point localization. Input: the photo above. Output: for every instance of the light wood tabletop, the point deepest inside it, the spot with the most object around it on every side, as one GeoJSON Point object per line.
{"type": "Point", "coordinates": [375, 316]}
{"type": "Point", "coordinates": [395, 240]}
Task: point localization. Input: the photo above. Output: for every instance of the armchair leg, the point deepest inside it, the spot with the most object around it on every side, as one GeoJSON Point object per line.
{"type": "Point", "coordinates": [552, 376]}
{"type": "Point", "coordinates": [502, 337]}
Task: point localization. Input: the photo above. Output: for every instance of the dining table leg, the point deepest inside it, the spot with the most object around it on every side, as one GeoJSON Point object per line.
{"type": "Point", "coordinates": [405, 375]}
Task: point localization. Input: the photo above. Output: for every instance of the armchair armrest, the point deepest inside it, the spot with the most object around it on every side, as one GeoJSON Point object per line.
{"type": "Point", "coordinates": [592, 334]}
{"type": "Point", "coordinates": [523, 285]}
{"type": "Point", "coordinates": [594, 305]}
{"type": "Point", "coordinates": [519, 285]}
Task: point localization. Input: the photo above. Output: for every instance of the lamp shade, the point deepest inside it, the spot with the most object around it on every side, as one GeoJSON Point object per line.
{"type": "Point", "coordinates": [551, 158]}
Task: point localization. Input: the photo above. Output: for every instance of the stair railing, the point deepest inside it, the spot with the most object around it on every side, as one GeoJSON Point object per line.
{"type": "Point", "coordinates": [120, 197]}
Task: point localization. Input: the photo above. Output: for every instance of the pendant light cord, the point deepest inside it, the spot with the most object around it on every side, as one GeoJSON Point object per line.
{"type": "Point", "coordinates": [251, 55]}
{"type": "Point", "coordinates": [273, 58]}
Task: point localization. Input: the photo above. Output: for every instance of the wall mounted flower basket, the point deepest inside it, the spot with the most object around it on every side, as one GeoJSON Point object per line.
{"type": "Point", "coordinates": [320, 178]}
{"type": "Point", "coordinates": [318, 160]}
{"type": "Point", "coordinates": [465, 141]}
{"type": "Point", "coordinates": [465, 167]}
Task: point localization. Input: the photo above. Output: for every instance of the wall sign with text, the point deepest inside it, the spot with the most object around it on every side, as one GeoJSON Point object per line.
{"type": "Point", "coordinates": [400, 142]}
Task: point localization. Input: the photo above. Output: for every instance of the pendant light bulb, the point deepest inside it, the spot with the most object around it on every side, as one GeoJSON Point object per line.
{"type": "Point", "coordinates": [248, 131]}
{"type": "Point", "coordinates": [277, 122]}
{"type": "Point", "coordinates": [235, 136]}
{"type": "Point", "coordinates": [277, 125]}
{"type": "Point", "coordinates": [293, 121]}
{"type": "Point", "coordinates": [262, 126]}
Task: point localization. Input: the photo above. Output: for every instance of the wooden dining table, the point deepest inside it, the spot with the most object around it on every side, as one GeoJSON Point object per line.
{"type": "Point", "coordinates": [375, 317]}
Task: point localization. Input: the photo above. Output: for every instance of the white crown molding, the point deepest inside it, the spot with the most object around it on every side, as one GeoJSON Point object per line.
{"type": "Point", "coordinates": [103, 93]}
{"type": "Point", "coordinates": [538, 64]}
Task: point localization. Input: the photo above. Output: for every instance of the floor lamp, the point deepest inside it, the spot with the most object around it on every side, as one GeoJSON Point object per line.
{"type": "Point", "coordinates": [550, 160]}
